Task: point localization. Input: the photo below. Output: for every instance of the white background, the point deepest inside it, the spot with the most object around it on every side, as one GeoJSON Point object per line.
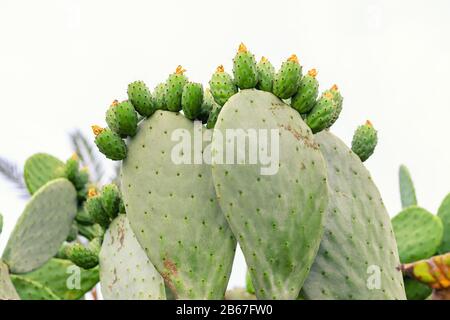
{"type": "Point", "coordinates": [62, 62]}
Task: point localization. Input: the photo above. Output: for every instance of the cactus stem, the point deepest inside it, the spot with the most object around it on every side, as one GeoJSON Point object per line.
{"type": "Point", "coordinates": [293, 58]}
{"type": "Point", "coordinates": [242, 48]}
{"type": "Point", "coordinates": [180, 70]}
{"type": "Point", "coordinates": [312, 73]}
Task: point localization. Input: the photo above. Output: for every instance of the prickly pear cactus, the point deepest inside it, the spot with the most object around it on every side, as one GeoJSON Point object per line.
{"type": "Point", "coordinates": [358, 238]}
{"type": "Point", "coordinates": [418, 233]}
{"type": "Point", "coordinates": [39, 169]}
{"type": "Point", "coordinates": [303, 101]}
{"type": "Point", "coordinates": [444, 214]}
{"type": "Point", "coordinates": [407, 191]}
{"type": "Point", "coordinates": [141, 98]}
{"type": "Point", "coordinates": [244, 68]}
{"type": "Point", "coordinates": [173, 211]}
{"type": "Point", "coordinates": [222, 86]}
{"type": "Point", "coordinates": [174, 89]}
{"type": "Point", "coordinates": [416, 290]}
{"type": "Point", "coordinates": [126, 272]}
{"type": "Point", "coordinates": [110, 143]}
{"type": "Point", "coordinates": [7, 290]}
{"type": "Point", "coordinates": [364, 141]}
{"type": "Point", "coordinates": [32, 290]}
{"type": "Point", "coordinates": [42, 227]}
{"type": "Point", "coordinates": [266, 72]}
{"type": "Point", "coordinates": [287, 79]}
{"type": "Point", "coordinates": [276, 217]}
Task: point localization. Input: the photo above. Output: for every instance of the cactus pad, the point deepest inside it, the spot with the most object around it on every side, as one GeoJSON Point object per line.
{"type": "Point", "coordinates": [277, 218]}
{"type": "Point", "coordinates": [244, 68]}
{"type": "Point", "coordinates": [418, 233]}
{"type": "Point", "coordinates": [174, 89]}
{"type": "Point", "coordinates": [303, 101]}
{"type": "Point", "coordinates": [266, 72]}
{"type": "Point", "coordinates": [141, 98]}
{"type": "Point", "coordinates": [40, 169]}
{"type": "Point", "coordinates": [42, 227]}
{"type": "Point", "coordinates": [364, 141]}
{"type": "Point", "coordinates": [32, 290]}
{"type": "Point", "coordinates": [416, 290]}
{"type": "Point", "coordinates": [7, 290]}
{"type": "Point", "coordinates": [357, 233]}
{"type": "Point", "coordinates": [191, 100]}
{"type": "Point", "coordinates": [222, 86]}
{"type": "Point", "coordinates": [126, 272]}
{"type": "Point", "coordinates": [287, 79]}
{"type": "Point", "coordinates": [173, 211]}
{"type": "Point", "coordinates": [110, 143]}
{"type": "Point", "coordinates": [407, 191]}
{"type": "Point", "coordinates": [444, 214]}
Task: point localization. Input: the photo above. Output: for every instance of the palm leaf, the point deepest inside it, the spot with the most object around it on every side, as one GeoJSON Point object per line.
{"type": "Point", "coordinates": [11, 173]}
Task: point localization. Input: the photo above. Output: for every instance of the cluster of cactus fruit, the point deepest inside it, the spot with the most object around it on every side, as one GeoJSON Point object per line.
{"type": "Point", "coordinates": [313, 230]}
{"type": "Point", "coordinates": [421, 235]}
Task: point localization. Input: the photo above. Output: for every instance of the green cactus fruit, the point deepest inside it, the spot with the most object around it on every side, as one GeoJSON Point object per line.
{"type": "Point", "coordinates": [7, 290]}
{"type": "Point", "coordinates": [279, 234]}
{"type": "Point", "coordinates": [32, 290]}
{"type": "Point", "coordinates": [207, 105]}
{"type": "Point", "coordinates": [266, 73]}
{"type": "Point", "coordinates": [444, 214]}
{"type": "Point", "coordinates": [357, 244]}
{"type": "Point", "coordinates": [305, 98]}
{"type": "Point", "coordinates": [110, 200]}
{"type": "Point", "coordinates": [174, 89]}
{"type": "Point", "coordinates": [73, 232]}
{"type": "Point", "coordinates": [338, 100]}
{"type": "Point", "coordinates": [71, 168]}
{"type": "Point", "coordinates": [244, 68]}
{"type": "Point", "coordinates": [141, 98]}
{"type": "Point", "coordinates": [39, 169]}
{"type": "Point", "coordinates": [83, 218]}
{"type": "Point", "coordinates": [364, 141]}
{"type": "Point", "coordinates": [110, 143]}
{"type": "Point", "coordinates": [42, 227]}
{"type": "Point", "coordinates": [222, 86]}
{"type": "Point", "coordinates": [121, 253]}
{"type": "Point", "coordinates": [214, 111]}
{"type": "Point", "coordinates": [287, 79]}
{"type": "Point", "coordinates": [85, 257]}
{"type": "Point", "coordinates": [64, 279]}
{"type": "Point", "coordinates": [321, 115]}
{"type": "Point", "coordinates": [122, 118]}
{"type": "Point", "coordinates": [239, 294]}
{"type": "Point", "coordinates": [159, 97]}
{"type": "Point", "coordinates": [92, 231]}
{"type": "Point", "coordinates": [191, 100]}
{"type": "Point", "coordinates": [173, 211]}
{"type": "Point", "coordinates": [407, 190]}
{"type": "Point", "coordinates": [249, 284]}
{"type": "Point", "coordinates": [95, 209]}
{"type": "Point", "coordinates": [418, 233]}
{"type": "Point", "coordinates": [416, 290]}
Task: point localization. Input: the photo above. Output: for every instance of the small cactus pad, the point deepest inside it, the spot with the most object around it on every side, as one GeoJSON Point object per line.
{"type": "Point", "coordinates": [222, 86]}
{"type": "Point", "coordinates": [122, 118]}
{"type": "Point", "coordinates": [444, 214]}
{"type": "Point", "coordinates": [110, 143]}
{"type": "Point", "coordinates": [407, 191]}
{"type": "Point", "coordinates": [244, 68]}
{"type": "Point", "coordinates": [83, 256]}
{"type": "Point", "coordinates": [322, 114]}
{"type": "Point", "coordinates": [416, 290]}
{"type": "Point", "coordinates": [42, 227]}
{"type": "Point", "coordinates": [39, 169]}
{"type": "Point", "coordinates": [159, 97]}
{"type": "Point", "coordinates": [287, 79]}
{"type": "Point", "coordinates": [364, 141]}
{"type": "Point", "coordinates": [418, 233]}
{"type": "Point", "coordinates": [32, 290]}
{"type": "Point", "coordinates": [266, 72]}
{"type": "Point", "coordinates": [64, 279]}
{"type": "Point", "coordinates": [126, 273]}
{"type": "Point", "coordinates": [276, 216]}
{"type": "Point", "coordinates": [7, 290]}
{"type": "Point", "coordinates": [172, 208]}
{"type": "Point", "coordinates": [174, 89]}
{"type": "Point", "coordinates": [192, 99]}
{"type": "Point", "coordinates": [358, 239]}
{"type": "Point", "coordinates": [110, 200]}
{"type": "Point", "coordinates": [305, 98]}
{"type": "Point", "coordinates": [141, 98]}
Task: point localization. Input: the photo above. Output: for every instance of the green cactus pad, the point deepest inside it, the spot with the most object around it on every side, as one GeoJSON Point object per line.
{"type": "Point", "coordinates": [407, 190]}
{"type": "Point", "coordinates": [141, 98]}
{"type": "Point", "coordinates": [276, 217]}
{"type": "Point", "coordinates": [126, 272]}
{"type": "Point", "coordinates": [110, 200]}
{"type": "Point", "coordinates": [222, 86]}
{"type": "Point", "coordinates": [416, 290]}
{"type": "Point", "coordinates": [42, 227]}
{"type": "Point", "coordinates": [287, 79]}
{"type": "Point", "coordinates": [444, 214]}
{"type": "Point", "coordinates": [32, 290]}
{"type": "Point", "coordinates": [64, 279]}
{"type": "Point", "coordinates": [173, 211]}
{"type": "Point", "coordinates": [7, 290]}
{"type": "Point", "coordinates": [364, 141]}
{"type": "Point", "coordinates": [85, 257]}
{"type": "Point", "coordinates": [357, 235]}
{"type": "Point", "coordinates": [305, 98]}
{"type": "Point", "coordinates": [122, 118]}
{"type": "Point", "coordinates": [249, 284]}
{"type": "Point", "coordinates": [266, 72]}
{"type": "Point", "coordinates": [159, 97]}
{"type": "Point", "coordinates": [418, 233]}
{"type": "Point", "coordinates": [96, 211]}
{"type": "Point", "coordinates": [244, 68]}
{"type": "Point", "coordinates": [110, 143]}
{"type": "Point", "coordinates": [174, 89]}
{"type": "Point", "coordinates": [191, 100]}
{"type": "Point", "coordinates": [338, 100]}
{"type": "Point", "coordinates": [322, 114]}
{"type": "Point", "coordinates": [40, 169]}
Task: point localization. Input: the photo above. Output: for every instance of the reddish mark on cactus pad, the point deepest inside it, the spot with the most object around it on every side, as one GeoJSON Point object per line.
{"type": "Point", "coordinates": [298, 135]}
{"type": "Point", "coordinates": [172, 271]}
